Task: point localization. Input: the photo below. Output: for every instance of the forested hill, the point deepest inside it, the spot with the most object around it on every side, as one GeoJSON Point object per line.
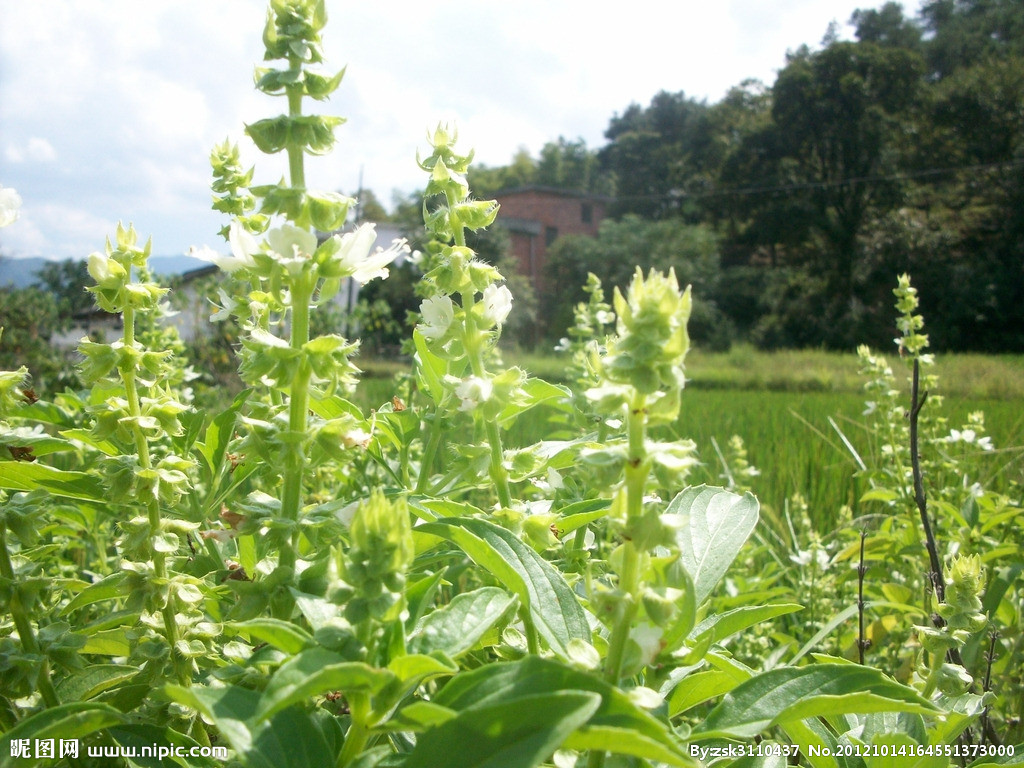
{"type": "Point", "coordinates": [899, 151]}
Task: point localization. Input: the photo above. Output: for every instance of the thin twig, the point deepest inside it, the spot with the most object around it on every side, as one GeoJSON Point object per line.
{"type": "Point", "coordinates": [917, 401]}
{"type": "Point", "coordinates": [935, 576]}
{"type": "Point", "coordinates": [862, 643]}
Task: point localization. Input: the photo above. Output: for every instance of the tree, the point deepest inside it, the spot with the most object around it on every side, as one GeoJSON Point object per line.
{"type": "Point", "coordinates": [67, 281]}
{"type": "Point", "coordinates": [623, 246]}
{"type": "Point", "coordinates": [654, 152]}
{"type": "Point", "coordinates": [886, 26]}
{"type": "Point", "coordinates": [30, 318]}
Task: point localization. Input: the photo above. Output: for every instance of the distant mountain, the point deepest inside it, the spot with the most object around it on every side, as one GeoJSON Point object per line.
{"type": "Point", "coordinates": [21, 273]}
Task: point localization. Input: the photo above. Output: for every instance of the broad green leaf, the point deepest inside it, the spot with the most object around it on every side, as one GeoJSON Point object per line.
{"type": "Point", "coordinates": [218, 434]}
{"type": "Point", "coordinates": [138, 736]}
{"type": "Point", "coordinates": [722, 625]}
{"type": "Point", "coordinates": [698, 688]}
{"type": "Point", "coordinates": [793, 693]}
{"type": "Point", "coordinates": [317, 611]}
{"type": "Point", "coordinates": [880, 494]}
{"type": "Point", "coordinates": [110, 642]}
{"type": "Point", "coordinates": [92, 680]}
{"type": "Point", "coordinates": [417, 717]}
{"type": "Point", "coordinates": [616, 725]}
{"type": "Point", "coordinates": [67, 721]}
{"type": "Point", "coordinates": [417, 668]}
{"type": "Point", "coordinates": [283, 635]}
{"type": "Point", "coordinates": [317, 671]}
{"type": "Point", "coordinates": [27, 476]}
{"type": "Point", "coordinates": [897, 750]}
{"type": "Point", "coordinates": [431, 369]}
{"type": "Point", "coordinates": [230, 708]}
{"type": "Point", "coordinates": [86, 437]}
{"type": "Point", "coordinates": [533, 393]}
{"type": "Point", "coordinates": [458, 627]}
{"type": "Point", "coordinates": [550, 603]}
{"type": "Point", "coordinates": [106, 588]}
{"type": "Point", "coordinates": [520, 733]}
{"type": "Point", "coordinates": [290, 739]}
{"type": "Point", "coordinates": [715, 525]}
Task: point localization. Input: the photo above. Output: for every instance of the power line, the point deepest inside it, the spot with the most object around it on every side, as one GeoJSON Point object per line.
{"type": "Point", "coordinates": [817, 185]}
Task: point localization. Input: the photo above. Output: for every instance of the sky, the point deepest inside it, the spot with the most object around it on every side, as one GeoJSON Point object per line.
{"type": "Point", "coordinates": [109, 108]}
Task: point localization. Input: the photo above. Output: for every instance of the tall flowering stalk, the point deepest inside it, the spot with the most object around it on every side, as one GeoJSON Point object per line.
{"type": "Point", "coordinates": [141, 416]}
{"type": "Point", "coordinates": [286, 271]}
{"type": "Point", "coordinates": [462, 334]}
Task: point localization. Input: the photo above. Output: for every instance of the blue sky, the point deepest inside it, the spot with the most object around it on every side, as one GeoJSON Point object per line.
{"type": "Point", "coordinates": [109, 108]}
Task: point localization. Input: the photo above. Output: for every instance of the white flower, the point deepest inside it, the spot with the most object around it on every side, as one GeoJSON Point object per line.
{"type": "Point", "coordinates": [497, 301]}
{"type": "Point", "coordinates": [872, 406]}
{"type": "Point", "coordinates": [355, 437]}
{"type": "Point", "coordinates": [355, 257]}
{"type": "Point", "coordinates": [985, 443]}
{"type": "Point", "coordinates": [438, 313]}
{"type": "Point", "coordinates": [292, 247]}
{"type": "Point", "coordinates": [10, 202]}
{"type": "Point", "coordinates": [604, 317]}
{"type": "Point", "coordinates": [562, 345]}
{"type": "Point", "coordinates": [228, 306]}
{"type": "Point", "coordinates": [472, 392]}
{"type": "Point", "coordinates": [243, 246]}
{"type": "Point", "coordinates": [802, 557]}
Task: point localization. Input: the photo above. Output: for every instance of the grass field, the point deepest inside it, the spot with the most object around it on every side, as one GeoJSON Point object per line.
{"type": "Point", "coordinates": [780, 405]}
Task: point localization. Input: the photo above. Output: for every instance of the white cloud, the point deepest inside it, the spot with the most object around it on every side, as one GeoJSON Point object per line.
{"type": "Point", "coordinates": [35, 150]}
{"type": "Point", "coordinates": [110, 109]}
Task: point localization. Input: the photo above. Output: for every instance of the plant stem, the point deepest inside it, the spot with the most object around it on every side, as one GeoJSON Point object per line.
{"type": "Point", "coordinates": [917, 402]}
{"type": "Point", "coordinates": [298, 421]}
{"type": "Point", "coordinates": [629, 578]}
{"type": "Point", "coordinates": [862, 643]}
{"type": "Point", "coordinates": [427, 460]}
{"type": "Point", "coordinates": [24, 624]}
{"type": "Point", "coordinates": [296, 158]}
{"type": "Point", "coordinates": [168, 610]}
{"type": "Point", "coordinates": [935, 576]}
{"type": "Point", "coordinates": [356, 737]}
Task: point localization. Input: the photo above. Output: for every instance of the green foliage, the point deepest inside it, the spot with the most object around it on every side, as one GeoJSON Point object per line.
{"type": "Point", "coordinates": [30, 317]}
{"type": "Point", "coordinates": [299, 583]}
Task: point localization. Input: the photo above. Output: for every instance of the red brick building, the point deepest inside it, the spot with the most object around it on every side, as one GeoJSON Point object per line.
{"type": "Point", "coordinates": [537, 216]}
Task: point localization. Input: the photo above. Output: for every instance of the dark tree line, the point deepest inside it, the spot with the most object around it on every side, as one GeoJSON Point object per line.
{"type": "Point", "coordinates": [902, 150]}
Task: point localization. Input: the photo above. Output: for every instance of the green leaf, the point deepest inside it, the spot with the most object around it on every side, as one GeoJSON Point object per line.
{"type": "Point", "coordinates": [283, 635]}
{"type": "Point", "coordinates": [533, 393]}
{"type": "Point", "coordinates": [27, 476]}
{"type": "Point", "coordinates": [458, 627]}
{"type": "Point", "coordinates": [106, 588]}
{"type": "Point", "coordinates": [794, 693]}
{"type": "Point", "coordinates": [111, 642]}
{"type": "Point", "coordinates": [880, 494]}
{"type": "Point", "coordinates": [431, 369]}
{"type": "Point", "coordinates": [716, 523]}
{"type": "Point", "coordinates": [698, 688]}
{"type": "Point", "coordinates": [551, 605]}
{"type": "Point", "coordinates": [290, 739]}
{"type": "Point", "coordinates": [617, 725]}
{"type": "Point", "coordinates": [230, 708]}
{"type": "Point", "coordinates": [519, 733]}
{"type": "Point", "coordinates": [218, 435]}
{"type": "Point", "coordinates": [68, 721]}
{"type": "Point", "coordinates": [722, 625]}
{"type": "Point", "coordinates": [86, 436]}
{"type": "Point", "coordinates": [138, 736]}
{"type": "Point", "coordinates": [317, 671]}
{"type": "Point", "coordinates": [93, 680]}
